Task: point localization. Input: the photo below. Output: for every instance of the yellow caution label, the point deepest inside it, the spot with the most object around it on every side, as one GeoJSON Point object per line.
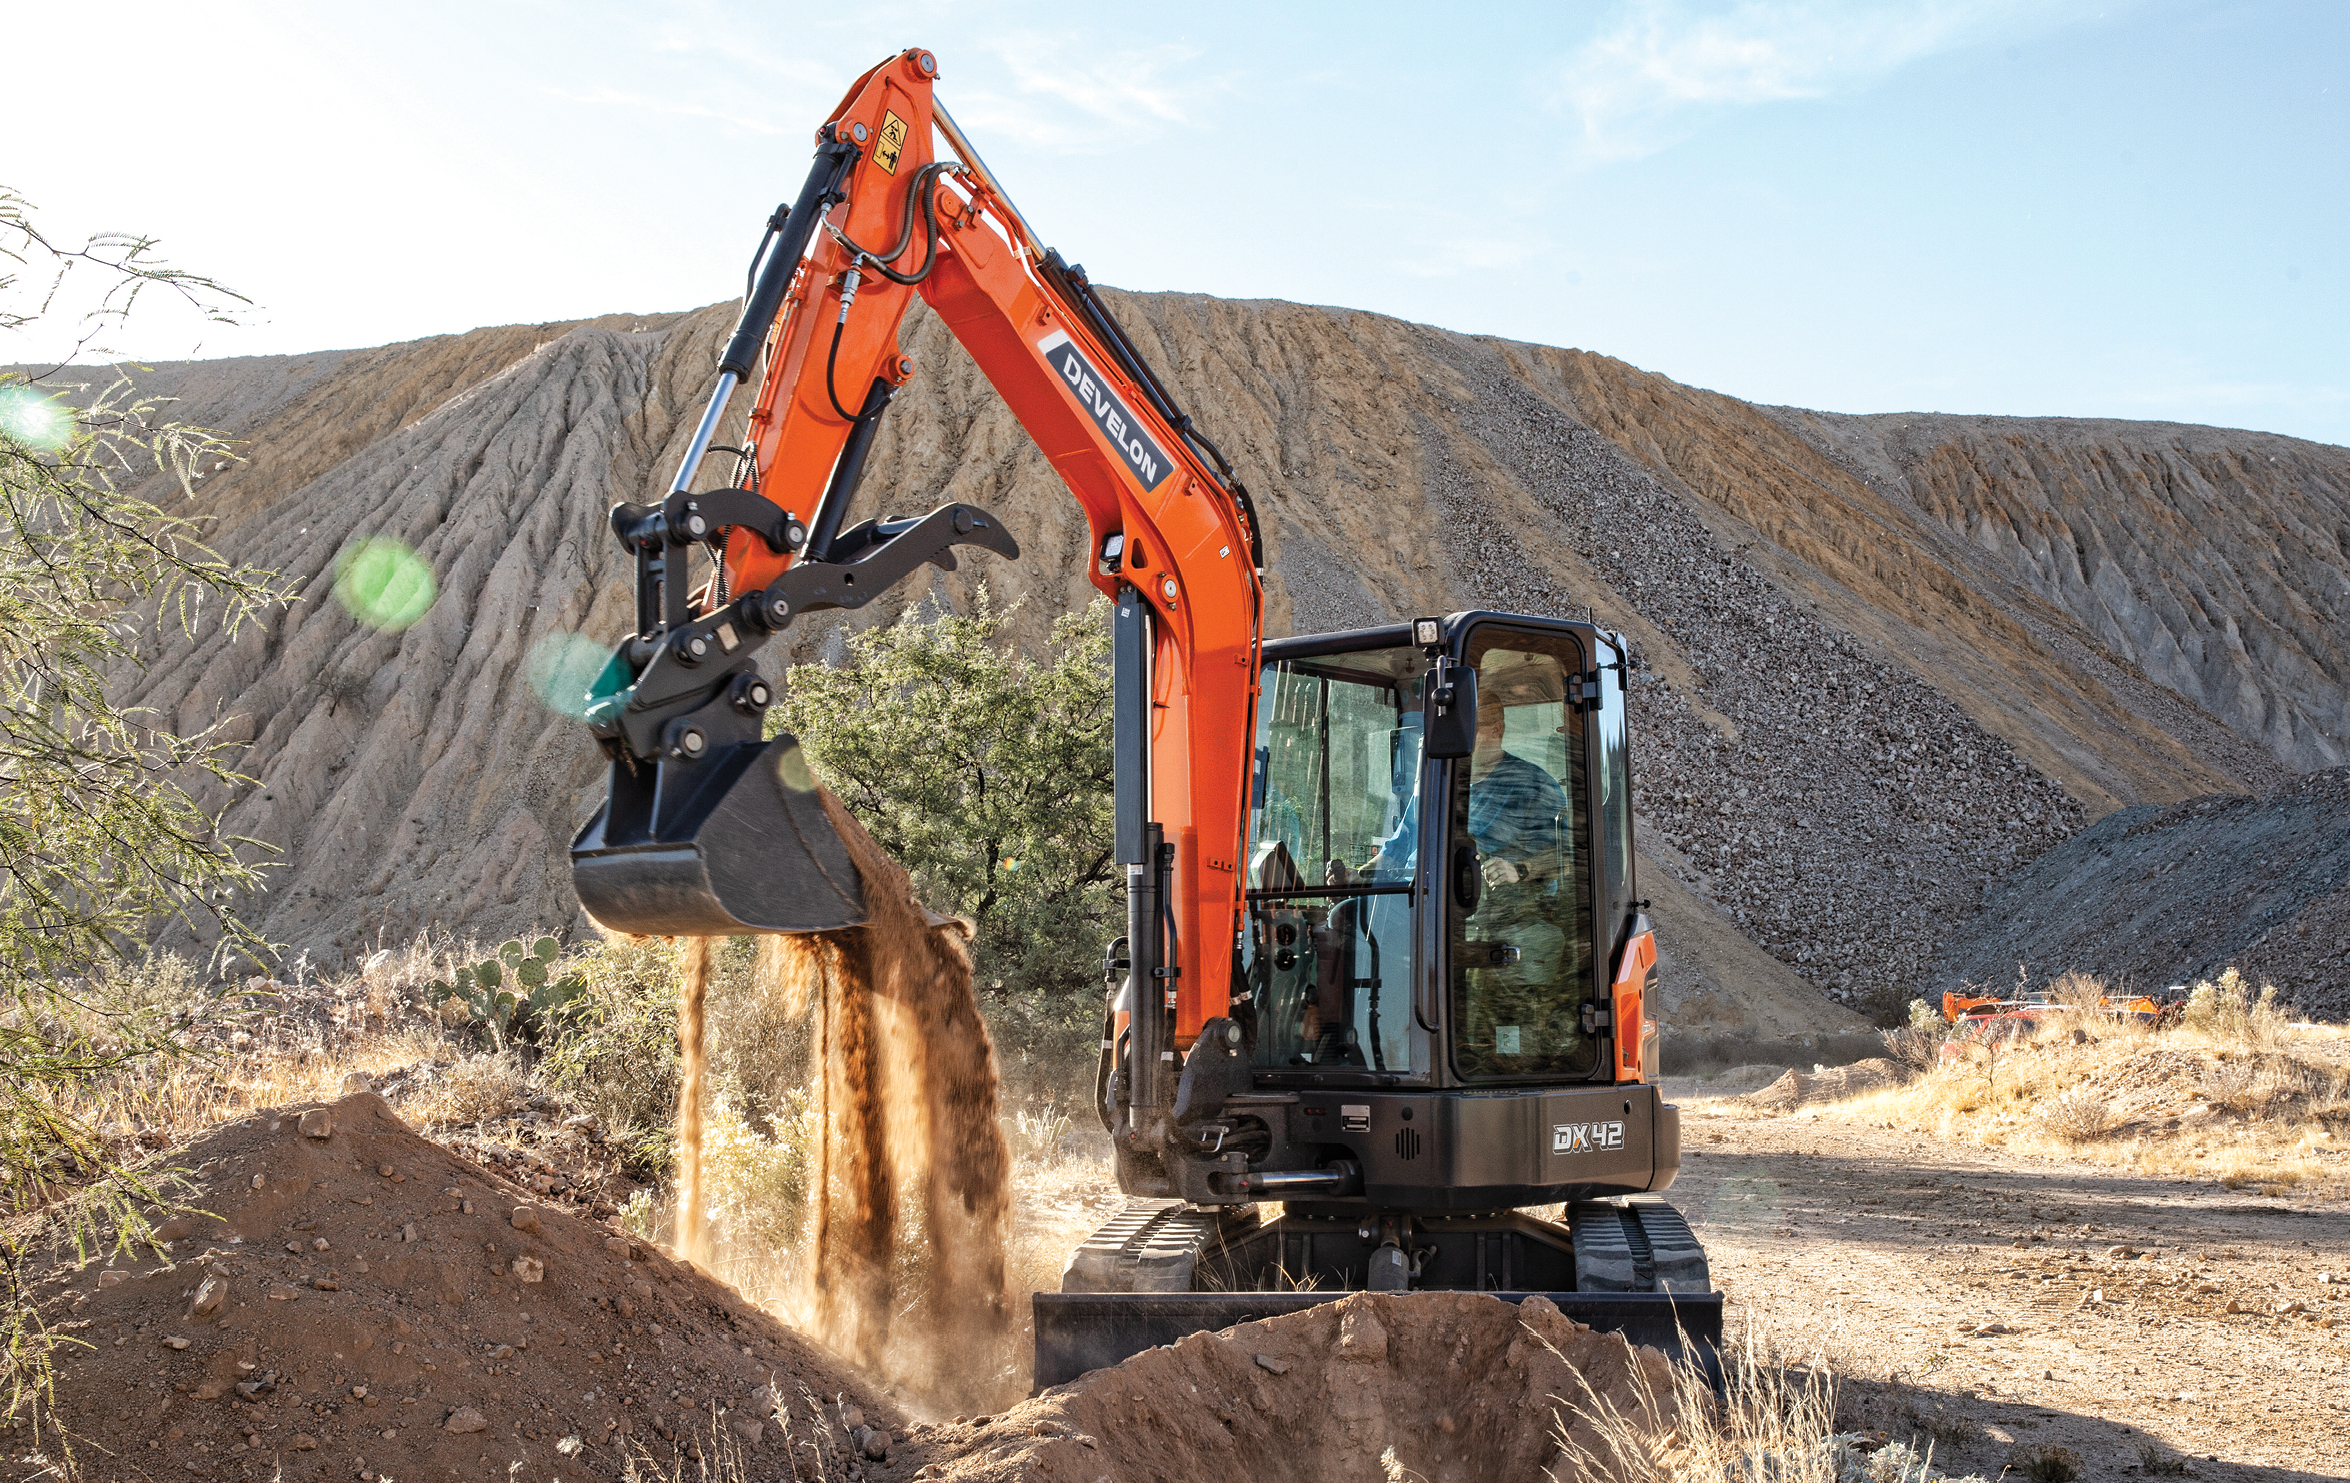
{"type": "Point", "coordinates": [892, 140]}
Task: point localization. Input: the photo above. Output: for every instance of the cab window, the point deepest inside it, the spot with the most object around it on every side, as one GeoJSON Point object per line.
{"type": "Point", "coordinates": [1334, 824]}
{"type": "Point", "coordinates": [1519, 877]}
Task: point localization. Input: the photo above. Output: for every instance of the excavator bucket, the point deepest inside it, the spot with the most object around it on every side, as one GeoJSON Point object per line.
{"type": "Point", "coordinates": [735, 842]}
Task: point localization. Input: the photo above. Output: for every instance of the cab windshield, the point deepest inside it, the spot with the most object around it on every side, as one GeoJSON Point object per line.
{"type": "Point", "coordinates": [1334, 824]}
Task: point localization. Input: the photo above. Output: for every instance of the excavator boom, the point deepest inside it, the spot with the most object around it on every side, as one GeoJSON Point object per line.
{"type": "Point", "coordinates": [1173, 538]}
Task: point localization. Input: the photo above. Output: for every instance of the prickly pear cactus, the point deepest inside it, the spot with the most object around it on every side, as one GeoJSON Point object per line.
{"type": "Point", "coordinates": [514, 994]}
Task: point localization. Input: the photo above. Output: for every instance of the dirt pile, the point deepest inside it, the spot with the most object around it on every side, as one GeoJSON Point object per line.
{"type": "Point", "coordinates": [2153, 897]}
{"type": "Point", "coordinates": [1833, 1084]}
{"type": "Point", "coordinates": [1857, 680]}
{"type": "Point", "coordinates": [912, 1197]}
{"type": "Point", "coordinates": [361, 1302]}
{"type": "Point", "coordinates": [2232, 1091]}
{"type": "Point", "coordinates": [1452, 1386]}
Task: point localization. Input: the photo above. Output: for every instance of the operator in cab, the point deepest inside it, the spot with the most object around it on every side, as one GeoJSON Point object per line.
{"type": "Point", "coordinates": [1516, 814]}
{"type": "Point", "coordinates": [1518, 955]}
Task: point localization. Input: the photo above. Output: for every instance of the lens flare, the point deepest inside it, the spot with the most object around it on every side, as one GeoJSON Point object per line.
{"type": "Point", "coordinates": [38, 422]}
{"type": "Point", "coordinates": [384, 584]}
{"type": "Point", "coordinates": [571, 672]}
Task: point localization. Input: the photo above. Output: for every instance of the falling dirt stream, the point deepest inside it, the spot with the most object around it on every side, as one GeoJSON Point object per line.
{"type": "Point", "coordinates": [693, 985]}
{"type": "Point", "coordinates": [909, 1192]}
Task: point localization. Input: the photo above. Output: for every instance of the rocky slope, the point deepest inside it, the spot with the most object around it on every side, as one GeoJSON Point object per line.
{"type": "Point", "coordinates": [2153, 898]}
{"type": "Point", "coordinates": [1876, 682]}
{"type": "Point", "coordinates": [2213, 560]}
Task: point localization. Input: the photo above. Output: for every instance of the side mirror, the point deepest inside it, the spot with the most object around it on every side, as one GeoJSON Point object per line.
{"type": "Point", "coordinates": [1450, 729]}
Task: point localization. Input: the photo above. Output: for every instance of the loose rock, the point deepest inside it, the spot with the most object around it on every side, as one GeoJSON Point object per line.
{"type": "Point", "coordinates": [210, 1297]}
{"type": "Point", "coordinates": [465, 1419]}
{"type": "Point", "coordinates": [1361, 1339]}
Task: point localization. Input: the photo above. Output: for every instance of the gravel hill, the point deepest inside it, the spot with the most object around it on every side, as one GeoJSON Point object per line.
{"type": "Point", "coordinates": [1891, 660]}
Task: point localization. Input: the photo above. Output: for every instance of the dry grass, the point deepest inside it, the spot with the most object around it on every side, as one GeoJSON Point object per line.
{"type": "Point", "coordinates": [2235, 1091]}
{"type": "Point", "coordinates": [1065, 1191]}
{"type": "Point", "coordinates": [1773, 1419]}
{"type": "Point", "coordinates": [267, 1044]}
{"type": "Point", "coordinates": [472, 1089]}
{"type": "Point", "coordinates": [805, 1423]}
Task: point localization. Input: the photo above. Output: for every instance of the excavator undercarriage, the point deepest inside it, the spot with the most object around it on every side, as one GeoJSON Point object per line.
{"type": "Point", "coordinates": [1385, 964]}
{"type": "Point", "coordinates": [1162, 1269]}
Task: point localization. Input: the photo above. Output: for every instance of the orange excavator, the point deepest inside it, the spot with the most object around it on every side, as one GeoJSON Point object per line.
{"type": "Point", "coordinates": [1385, 962]}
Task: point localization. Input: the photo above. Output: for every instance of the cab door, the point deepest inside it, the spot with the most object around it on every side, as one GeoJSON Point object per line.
{"type": "Point", "coordinates": [1520, 885]}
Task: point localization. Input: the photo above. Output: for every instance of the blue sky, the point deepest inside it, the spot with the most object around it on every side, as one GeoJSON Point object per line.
{"type": "Point", "coordinates": [2111, 209]}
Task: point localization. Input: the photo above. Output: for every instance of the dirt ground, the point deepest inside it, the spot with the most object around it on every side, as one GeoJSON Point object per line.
{"type": "Point", "coordinates": [1982, 1302]}
{"type": "Point", "coordinates": [360, 1302]}
{"type": "Point", "coordinates": [2107, 1295]}
{"type": "Point", "coordinates": [1443, 1387]}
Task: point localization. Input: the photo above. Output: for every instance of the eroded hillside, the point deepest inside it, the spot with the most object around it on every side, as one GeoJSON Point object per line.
{"type": "Point", "coordinates": [1859, 708]}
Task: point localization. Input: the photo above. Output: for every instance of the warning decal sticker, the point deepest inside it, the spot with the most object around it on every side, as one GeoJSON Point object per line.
{"type": "Point", "coordinates": [892, 141]}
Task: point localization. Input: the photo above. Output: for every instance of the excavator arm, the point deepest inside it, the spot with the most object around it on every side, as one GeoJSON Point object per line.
{"type": "Point", "coordinates": [711, 828]}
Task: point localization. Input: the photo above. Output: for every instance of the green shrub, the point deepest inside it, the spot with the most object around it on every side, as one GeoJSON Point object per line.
{"type": "Point", "coordinates": [107, 822]}
{"type": "Point", "coordinates": [987, 775]}
{"type": "Point", "coordinates": [619, 1057]}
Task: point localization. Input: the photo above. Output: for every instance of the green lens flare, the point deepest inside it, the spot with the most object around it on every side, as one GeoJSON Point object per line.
{"type": "Point", "coordinates": [384, 584]}
{"type": "Point", "coordinates": [38, 422]}
{"type": "Point", "coordinates": [571, 672]}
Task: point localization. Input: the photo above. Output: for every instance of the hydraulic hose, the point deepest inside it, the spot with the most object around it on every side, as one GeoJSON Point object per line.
{"type": "Point", "coordinates": [918, 194]}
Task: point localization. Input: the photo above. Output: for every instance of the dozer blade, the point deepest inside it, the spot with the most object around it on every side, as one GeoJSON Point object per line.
{"type": "Point", "coordinates": [1077, 1332]}
{"type": "Point", "coordinates": [735, 842]}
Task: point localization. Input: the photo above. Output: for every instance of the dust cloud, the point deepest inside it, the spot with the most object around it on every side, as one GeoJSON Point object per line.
{"type": "Point", "coordinates": [910, 1193]}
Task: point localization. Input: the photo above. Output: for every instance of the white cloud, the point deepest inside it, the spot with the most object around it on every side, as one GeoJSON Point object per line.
{"type": "Point", "coordinates": [1666, 65]}
{"type": "Point", "coordinates": [644, 103]}
{"type": "Point", "coordinates": [1052, 94]}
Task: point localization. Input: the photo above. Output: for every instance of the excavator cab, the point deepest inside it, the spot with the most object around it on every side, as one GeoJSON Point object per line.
{"type": "Point", "coordinates": [1345, 845]}
{"type": "Point", "coordinates": [1439, 1014]}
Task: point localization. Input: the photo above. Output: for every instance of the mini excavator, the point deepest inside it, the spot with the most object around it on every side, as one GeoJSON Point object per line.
{"type": "Point", "coordinates": [1385, 968]}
